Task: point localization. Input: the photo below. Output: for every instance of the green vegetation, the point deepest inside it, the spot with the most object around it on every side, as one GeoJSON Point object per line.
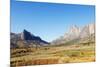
{"type": "Point", "coordinates": [53, 55]}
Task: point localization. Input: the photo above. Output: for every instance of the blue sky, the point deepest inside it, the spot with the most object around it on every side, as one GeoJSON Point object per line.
{"type": "Point", "coordinates": [49, 20]}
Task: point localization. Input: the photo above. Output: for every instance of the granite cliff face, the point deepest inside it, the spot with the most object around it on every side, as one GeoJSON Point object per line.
{"type": "Point", "coordinates": [76, 33]}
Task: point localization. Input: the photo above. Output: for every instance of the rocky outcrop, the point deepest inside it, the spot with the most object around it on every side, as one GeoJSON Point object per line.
{"type": "Point", "coordinates": [76, 33]}
{"type": "Point", "coordinates": [26, 39]}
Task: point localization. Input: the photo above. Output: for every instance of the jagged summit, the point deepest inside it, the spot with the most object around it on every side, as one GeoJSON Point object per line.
{"type": "Point", "coordinates": [26, 38]}
{"type": "Point", "coordinates": [74, 29]}
{"type": "Point", "coordinates": [76, 32]}
{"type": "Point", "coordinates": [27, 35]}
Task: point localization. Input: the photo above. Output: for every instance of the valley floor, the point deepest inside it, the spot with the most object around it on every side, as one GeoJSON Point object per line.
{"type": "Point", "coordinates": [53, 55]}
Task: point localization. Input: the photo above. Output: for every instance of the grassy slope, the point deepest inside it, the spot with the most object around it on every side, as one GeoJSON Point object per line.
{"type": "Point", "coordinates": [53, 54]}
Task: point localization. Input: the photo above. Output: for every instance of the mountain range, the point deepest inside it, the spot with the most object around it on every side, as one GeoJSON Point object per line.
{"type": "Point", "coordinates": [74, 35]}
{"type": "Point", "coordinates": [26, 39]}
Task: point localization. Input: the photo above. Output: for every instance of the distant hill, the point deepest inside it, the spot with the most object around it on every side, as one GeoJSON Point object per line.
{"type": "Point", "coordinates": [76, 35]}
{"type": "Point", "coordinates": [26, 39]}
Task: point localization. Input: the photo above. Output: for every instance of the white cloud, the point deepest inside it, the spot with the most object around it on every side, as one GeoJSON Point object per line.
{"type": "Point", "coordinates": [85, 2]}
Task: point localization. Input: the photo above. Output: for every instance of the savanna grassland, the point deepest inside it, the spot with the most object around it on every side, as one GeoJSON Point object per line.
{"type": "Point", "coordinates": [53, 55]}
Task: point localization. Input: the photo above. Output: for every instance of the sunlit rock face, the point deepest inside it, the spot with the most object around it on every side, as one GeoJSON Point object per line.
{"type": "Point", "coordinates": [76, 33]}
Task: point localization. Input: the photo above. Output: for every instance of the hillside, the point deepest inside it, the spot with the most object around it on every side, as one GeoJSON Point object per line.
{"type": "Point", "coordinates": [26, 39]}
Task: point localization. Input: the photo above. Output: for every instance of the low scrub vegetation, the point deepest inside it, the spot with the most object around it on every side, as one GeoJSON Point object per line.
{"type": "Point", "coordinates": [52, 55]}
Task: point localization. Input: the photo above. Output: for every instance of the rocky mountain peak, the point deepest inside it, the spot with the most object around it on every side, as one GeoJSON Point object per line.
{"type": "Point", "coordinates": [74, 29]}
{"type": "Point", "coordinates": [76, 32]}
{"type": "Point", "coordinates": [25, 35]}
{"type": "Point", "coordinates": [87, 30]}
{"type": "Point", "coordinates": [92, 28]}
{"type": "Point", "coordinates": [25, 38]}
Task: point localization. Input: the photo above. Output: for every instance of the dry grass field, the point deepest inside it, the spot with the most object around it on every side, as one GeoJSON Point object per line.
{"type": "Point", "coordinates": [52, 55]}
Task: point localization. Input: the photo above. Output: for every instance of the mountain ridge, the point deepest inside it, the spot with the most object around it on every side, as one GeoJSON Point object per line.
{"type": "Point", "coordinates": [27, 39]}
{"type": "Point", "coordinates": [76, 32]}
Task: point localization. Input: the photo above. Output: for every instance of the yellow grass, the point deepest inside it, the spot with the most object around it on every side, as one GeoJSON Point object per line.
{"type": "Point", "coordinates": [52, 55]}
